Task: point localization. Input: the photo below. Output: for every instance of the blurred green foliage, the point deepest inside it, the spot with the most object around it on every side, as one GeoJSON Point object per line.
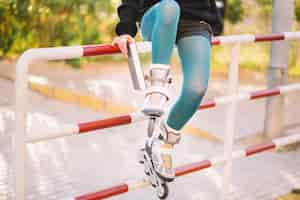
{"type": "Point", "coordinates": [28, 24]}
{"type": "Point", "coordinates": [234, 11]}
{"type": "Point", "coordinates": [266, 6]}
{"type": "Point", "coordinates": [42, 23]}
{"type": "Point", "coordinates": [297, 10]}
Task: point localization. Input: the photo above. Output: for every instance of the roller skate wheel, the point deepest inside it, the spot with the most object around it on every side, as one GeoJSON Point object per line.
{"type": "Point", "coordinates": [163, 191]}
{"type": "Point", "coordinates": [141, 156]}
{"type": "Point", "coordinates": [146, 172]}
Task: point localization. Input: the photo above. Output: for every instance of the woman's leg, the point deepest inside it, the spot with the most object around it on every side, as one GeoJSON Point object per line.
{"type": "Point", "coordinates": [194, 52]}
{"type": "Point", "coordinates": [159, 25]}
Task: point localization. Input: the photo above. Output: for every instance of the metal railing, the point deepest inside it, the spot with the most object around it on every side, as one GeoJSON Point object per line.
{"type": "Point", "coordinates": [62, 53]}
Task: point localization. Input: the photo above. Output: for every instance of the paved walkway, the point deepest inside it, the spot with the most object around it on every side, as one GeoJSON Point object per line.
{"type": "Point", "coordinates": [64, 168]}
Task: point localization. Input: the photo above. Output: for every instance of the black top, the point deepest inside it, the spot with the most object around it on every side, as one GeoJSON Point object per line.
{"type": "Point", "coordinates": [131, 11]}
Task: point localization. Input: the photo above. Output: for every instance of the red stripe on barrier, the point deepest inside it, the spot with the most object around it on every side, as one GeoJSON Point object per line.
{"type": "Point", "coordinates": [180, 171]}
{"type": "Point", "coordinates": [190, 168]}
{"type": "Point", "coordinates": [264, 93]}
{"type": "Point", "coordinates": [123, 188]}
{"type": "Point", "coordinates": [95, 50]}
{"type": "Point", "coordinates": [117, 121]}
{"type": "Point", "coordinates": [260, 148]}
{"type": "Point", "coordinates": [207, 104]}
{"type": "Point", "coordinates": [215, 41]}
{"type": "Point", "coordinates": [106, 123]}
{"type": "Point", "coordinates": [270, 37]}
{"type": "Point", "coordinates": [106, 49]}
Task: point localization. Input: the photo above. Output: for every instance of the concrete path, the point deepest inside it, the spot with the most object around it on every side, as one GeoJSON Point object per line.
{"type": "Point", "coordinates": [64, 168]}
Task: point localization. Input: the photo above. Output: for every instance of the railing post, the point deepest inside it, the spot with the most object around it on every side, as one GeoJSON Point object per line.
{"type": "Point", "coordinates": [278, 69]}
{"type": "Point", "coordinates": [21, 99]}
{"type": "Point", "coordinates": [231, 121]}
{"type": "Point", "coordinates": [18, 142]}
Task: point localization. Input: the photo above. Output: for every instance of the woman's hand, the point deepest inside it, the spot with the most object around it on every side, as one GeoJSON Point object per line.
{"type": "Point", "coordinates": [121, 42]}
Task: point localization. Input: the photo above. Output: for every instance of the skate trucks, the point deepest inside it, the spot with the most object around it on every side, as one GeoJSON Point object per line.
{"type": "Point", "coordinates": [154, 83]}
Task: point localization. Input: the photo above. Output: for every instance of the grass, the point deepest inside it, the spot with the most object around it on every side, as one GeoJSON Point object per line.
{"type": "Point", "coordinates": [253, 57]}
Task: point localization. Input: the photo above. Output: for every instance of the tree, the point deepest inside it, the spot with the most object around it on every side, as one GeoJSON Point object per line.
{"type": "Point", "coordinates": [297, 10]}
{"type": "Point", "coordinates": [41, 23]}
{"type": "Point", "coordinates": [266, 6]}
{"type": "Point", "coordinates": [234, 11]}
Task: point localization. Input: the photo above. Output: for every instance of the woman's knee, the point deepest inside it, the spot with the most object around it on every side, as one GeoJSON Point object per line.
{"type": "Point", "coordinates": [169, 12]}
{"type": "Point", "coordinates": [195, 90]}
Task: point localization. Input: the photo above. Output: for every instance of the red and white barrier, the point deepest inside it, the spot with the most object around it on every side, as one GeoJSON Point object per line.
{"type": "Point", "coordinates": [191, 168]}
{"type": "Point", "coordinates": [95, 50]}
{"type": "Point", "coordinates": [81, 128]}
{"type": "Point", "coordinates": [255, 38]}
{"type": "Point", "coordinates": [62, 53]}
{"type": "Point", "coordinates": [251, 96]}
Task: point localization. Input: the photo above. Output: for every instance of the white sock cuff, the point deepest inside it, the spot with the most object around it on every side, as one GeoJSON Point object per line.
{"type": "Point", "coordinates": [170, 129]}
{"type": "Point", "coordinates": [160, 66]}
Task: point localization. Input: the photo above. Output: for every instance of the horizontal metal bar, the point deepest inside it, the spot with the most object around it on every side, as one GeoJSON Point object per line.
{"type": "Point", "coordinates": [191, 168]}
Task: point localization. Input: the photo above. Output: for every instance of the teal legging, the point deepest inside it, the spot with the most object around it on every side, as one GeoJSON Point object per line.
{"type": "Point", "coordinates": [159, 25]}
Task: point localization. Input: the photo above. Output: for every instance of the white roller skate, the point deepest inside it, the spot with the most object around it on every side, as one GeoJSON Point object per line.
{"type": "Point", "coordinates": [151, 165]}
{"type": "Point", "coordinates": [156, 94]}
{"type": "Point", "coordinates": [157, 157]}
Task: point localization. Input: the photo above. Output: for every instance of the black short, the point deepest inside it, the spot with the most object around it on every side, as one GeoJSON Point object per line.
{"type": "Point", "coordinates": [188, 28]}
